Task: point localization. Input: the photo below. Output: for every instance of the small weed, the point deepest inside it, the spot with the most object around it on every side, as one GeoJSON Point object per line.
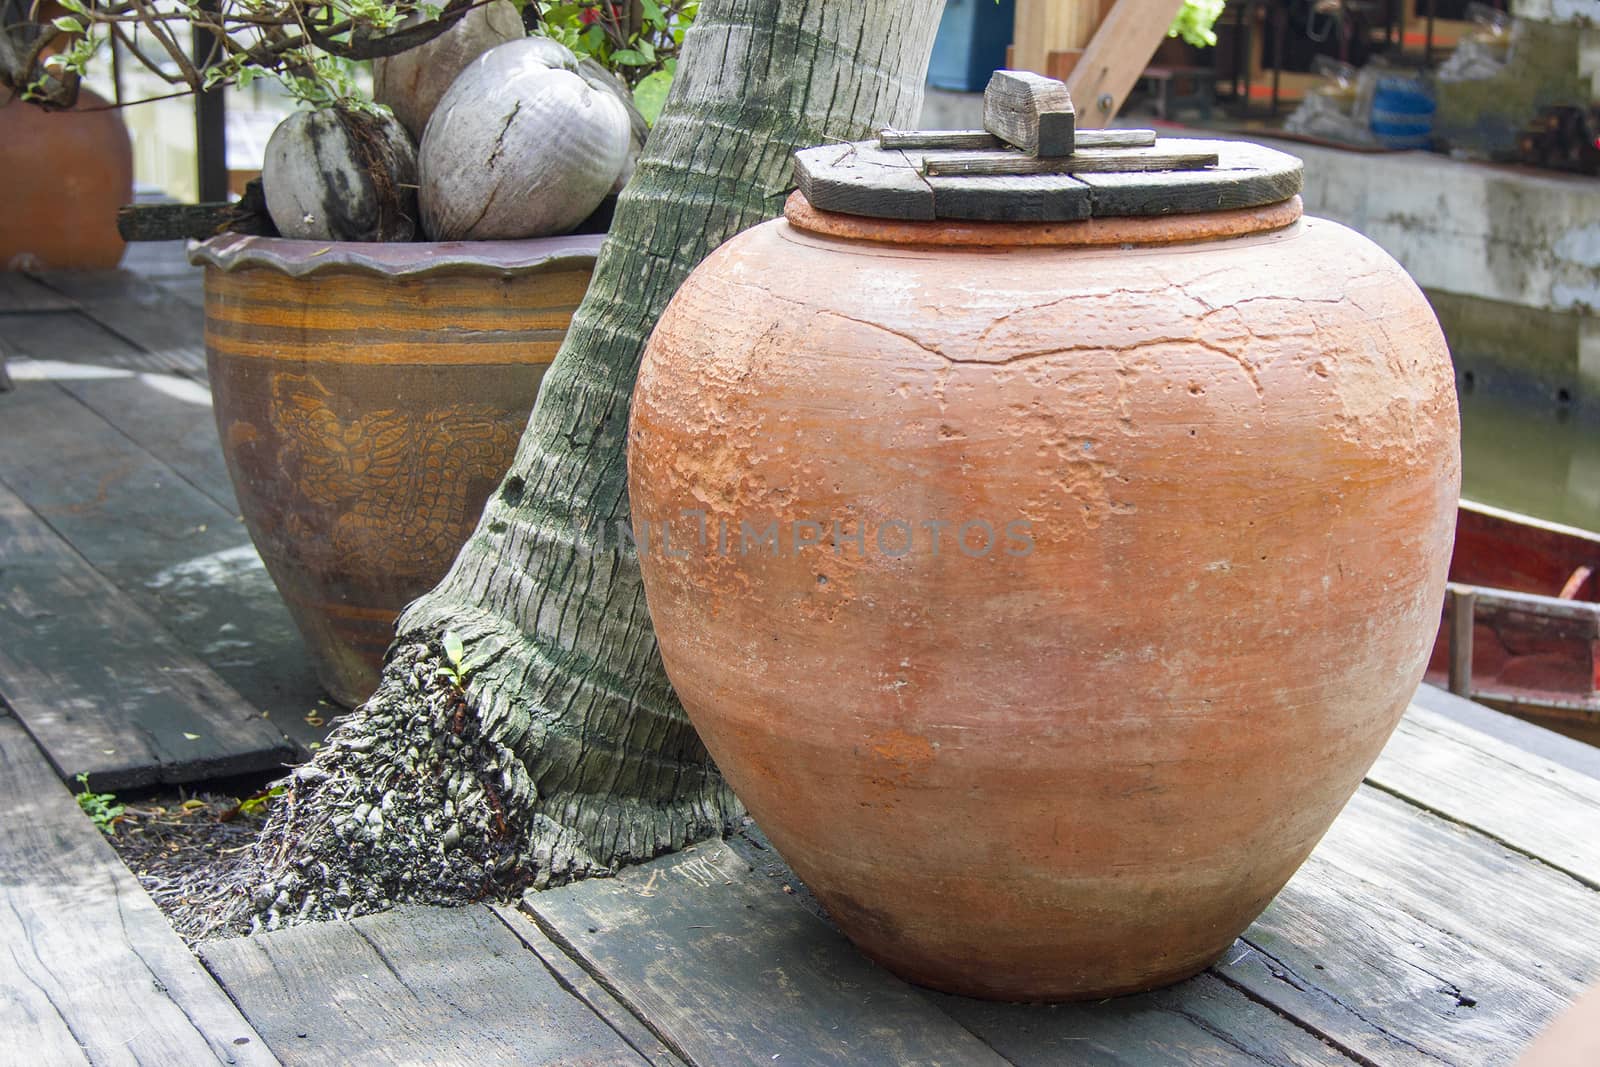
{"type": "Point", "coordinates": [460, 666]}
{"type": "Point", "coordinates": [101, 807]}
{"type": "Point", "coordinates": [254, 805]}
{"type": "Point", "coordinates": [260, 801]}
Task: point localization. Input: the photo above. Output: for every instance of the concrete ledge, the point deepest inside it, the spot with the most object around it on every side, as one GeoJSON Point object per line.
{"type": "Point", "coordinates": [1510, 234]}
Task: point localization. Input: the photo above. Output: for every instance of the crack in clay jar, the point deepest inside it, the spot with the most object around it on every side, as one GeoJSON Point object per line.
{"type": "Point", "coordinates": [1080, 762]}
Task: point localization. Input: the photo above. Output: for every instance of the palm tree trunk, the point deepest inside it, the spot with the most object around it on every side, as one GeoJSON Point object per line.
{"type": "Point", "coordinates": [565, 752]}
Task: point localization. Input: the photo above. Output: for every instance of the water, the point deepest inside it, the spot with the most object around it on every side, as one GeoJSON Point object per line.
{"type": "Point", "coordinates": [1534, 460]}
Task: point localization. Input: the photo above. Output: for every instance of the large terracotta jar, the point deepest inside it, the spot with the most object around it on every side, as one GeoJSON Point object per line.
{"type": "Point", "coordinates": [63, 175]}
{"type": "Point", "coordinates": [1046, 588]}
{"type": "Point", "coordinates": [369, 397]}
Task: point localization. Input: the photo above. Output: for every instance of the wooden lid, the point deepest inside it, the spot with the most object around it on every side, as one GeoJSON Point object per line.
{"type": "Point", "coordinates": [1030, 164]}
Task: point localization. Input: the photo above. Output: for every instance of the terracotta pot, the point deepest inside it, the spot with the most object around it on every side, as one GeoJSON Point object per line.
{"type": "Point", "coordinates": [1193, 480]}
{"type": "Point", "coordinates": [369, 397]}
{"type": "Point", "coordinates": [63, 175]}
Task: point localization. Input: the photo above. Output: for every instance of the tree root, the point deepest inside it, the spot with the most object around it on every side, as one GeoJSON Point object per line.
{"type": "Point", "coordinates": [408, 802]}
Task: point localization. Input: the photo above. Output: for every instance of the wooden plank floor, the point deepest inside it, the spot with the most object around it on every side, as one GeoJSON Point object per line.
{"type": "Point", "coordinates": [414, 985]}
{"type": "Point", "coordinates": [92, 973]}
{"type": "Point", "coordinates": [109, 462]}
{"type": "Point", "coordinates": [100, 683]}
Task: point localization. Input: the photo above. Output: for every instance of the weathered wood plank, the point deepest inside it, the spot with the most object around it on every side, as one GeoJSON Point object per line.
{"type": "Point", "coordinates": [1131, 161]}
{"type": "Point", "coordinates": [1201, 1021]}
{"type": "Point", "coordinates": [167, 222]}
{"type": "Point", "coordinates": [168, 415]}
{"type": "Point", "coordinates": [581, 984]}
{"type": "Point", "coordinates": [983, 139]}
{"type": "Point", "coordinates": [963, 139]}
{"type": "Point", "coordinates": [726, 969]}
{"type": "Point", "coordinates": [18, 292]}
{"type": "Point", "coordinates": [410, 986]}
{"type": "Point", "coordinates": [1410, 940]}
{"type": "Point", "coordinates": [161, 535]}
{"type": "Point", "coordinates": [100, 684]}
{"type": "Point", "coordinates": [1246, 175]}
{"type": "Point", "coordinates": [93, 973]}
{"type": "Point", "coordinates": [1032, 198]}
{"type": "Point", "coordinates": [1204, 1020]}
{"type": "Point", "coordinates": [159, 261]}
{"type": "Point", "coordinates": [72, 337]}
{"type": "Point", "coordinates": [1029, 111]}
{"type": "Point", "coordinates": [1518, 733]}
{"type": "Point", "coordinates": [1525, 802]}
{"type": "Point", "coordinates": [161, 222]}
{"type": "Point", "coordinates": [170, 331]}
{"type": "Point", "coordinates": [858, 179]}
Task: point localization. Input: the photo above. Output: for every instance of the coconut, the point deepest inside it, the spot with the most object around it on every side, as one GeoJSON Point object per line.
{"type": "Point", "coordinates": [520, 146]}
{"type": "Point", "coordinates": [411, 84]}
{"type": "Point", "coordinates": [337, 174]}
{"type": "Point", "coordinates": [638, 128]}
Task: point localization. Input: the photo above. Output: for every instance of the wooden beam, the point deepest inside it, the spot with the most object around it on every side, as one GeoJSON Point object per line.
{"type": "Point", "coordinates": [1043, 27]}
{"type": "Point", "coordinates": [170, 222]}
{"type": "Point", "coordinates": [1029, 111]}
{"type": "Point", "coordinates": [1013, 163]}
{"type": "Point", "coordinates": [1461, 612]}
{"type": "Point", "coordinates": [1112, 62]}
{"type": "Point", "coordinates": [983, 140]}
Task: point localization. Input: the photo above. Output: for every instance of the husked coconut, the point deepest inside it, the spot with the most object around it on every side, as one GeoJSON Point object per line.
{"type": "Point", "coordinates": [520, 146]}
{"type": "Point", "coordinates": [337, 174]}
{"type": "Point", "coordinates": [411, 84]}
{"type": "Point", "coordinates": [638, 128]}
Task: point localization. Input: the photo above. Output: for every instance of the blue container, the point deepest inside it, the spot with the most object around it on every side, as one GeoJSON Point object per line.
{"type": "Point", "coordinates": [971, 44]}
{"type": "Point", "coordinates": [1402, 113]}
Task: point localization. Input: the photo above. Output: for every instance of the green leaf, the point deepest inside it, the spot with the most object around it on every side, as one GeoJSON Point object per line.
{"type": "Point", "coordinates": [651, 93]}
{"type": "Point", "coordinates": [261, 800]}
{"type": "Point", "coordinates": [453, 648]}
{"type": "Point", "coordinates": [67, 24]}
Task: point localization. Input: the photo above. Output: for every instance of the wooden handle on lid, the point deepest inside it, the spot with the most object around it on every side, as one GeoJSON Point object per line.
{"type": "Point", "coordinates": [1031, 112]}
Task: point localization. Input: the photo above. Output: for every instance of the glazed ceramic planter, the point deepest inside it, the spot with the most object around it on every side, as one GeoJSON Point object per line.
{"type": "Point", "coordinates": [369, 397]}
{"type": "Point", "coordinates": [64, 174]}
{"type": "Point", "coordinates": [1104, 557]}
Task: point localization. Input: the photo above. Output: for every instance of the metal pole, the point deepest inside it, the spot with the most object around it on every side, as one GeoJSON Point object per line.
{"type": "Point", "coordinates": [210, 122]}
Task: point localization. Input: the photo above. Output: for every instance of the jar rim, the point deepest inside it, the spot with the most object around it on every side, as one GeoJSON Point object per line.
{"type": "Point", "coordinates": [1094, 232]}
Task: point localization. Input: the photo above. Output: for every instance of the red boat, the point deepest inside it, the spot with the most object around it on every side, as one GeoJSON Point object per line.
{"type": "Point", "coordinates": [1521, 628]}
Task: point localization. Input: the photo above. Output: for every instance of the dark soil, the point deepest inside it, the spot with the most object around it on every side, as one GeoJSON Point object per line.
{"type": "Point", "coordinates": [182, 845]}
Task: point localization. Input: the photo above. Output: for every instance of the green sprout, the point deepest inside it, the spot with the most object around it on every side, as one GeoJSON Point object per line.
{"type": "Point", "coordinates": [101, 807]}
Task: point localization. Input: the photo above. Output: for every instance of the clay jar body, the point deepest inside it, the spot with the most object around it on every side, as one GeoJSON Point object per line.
{"type": "Point", "coordinates": [369, 397]}
{"type": "Point", "coordinates": [1076, 763]}
{"type": "Point", "coordinates": [63, 175]}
